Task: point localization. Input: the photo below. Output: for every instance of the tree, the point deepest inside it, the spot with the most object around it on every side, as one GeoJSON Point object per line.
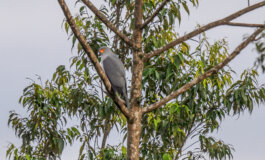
{"type": "Point", "coordinates": [181, 87]}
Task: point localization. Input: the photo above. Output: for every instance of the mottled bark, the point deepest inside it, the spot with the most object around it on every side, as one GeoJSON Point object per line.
{"type": "Point", "coordinates": [137, 56]}
{"type": "Point", "coordinates": [106, 132]}
{"type": "Point", "coordinates": [134, 125]}
{"type": "Point", "coordinates": [134, 134]}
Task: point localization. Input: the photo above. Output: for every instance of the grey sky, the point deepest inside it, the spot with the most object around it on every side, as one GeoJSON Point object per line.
{"type": "Point", "coordinates": [33, 42]}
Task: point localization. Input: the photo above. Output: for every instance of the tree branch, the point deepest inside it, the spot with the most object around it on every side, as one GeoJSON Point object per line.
{"type": "Point", "coordinates": [154, 14]}
{"type": "Point", "coordinates": [106, 132]}
{"type": "Point", "coordinates": [223, 21]}
{"type": "Point", "coordinates": [203, 76]}
{"type": "Point", "coordinates": [92, 57]}
{"type": "Point", "coordinates": [186, 137]}
{"type": "Point", "coordinates": [244, 24]}
{"type": "Point", "coordinates": [117, 23]}
{"type": "Point", "coordinates": [110, 25]}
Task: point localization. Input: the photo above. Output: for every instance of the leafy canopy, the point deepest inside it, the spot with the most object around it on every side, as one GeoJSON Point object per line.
{"type": "Point", "coordinates": [168, 132]}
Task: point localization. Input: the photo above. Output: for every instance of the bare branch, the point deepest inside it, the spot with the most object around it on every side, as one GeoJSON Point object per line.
{"type": "Point", "coordinates": [203, 76]}
{"type": "Point", "coordinates": [154, 14]}
{"type": "Point", "coordinates": [92, 57]}
{"type": "Point", "coordinates": [223, 21]}
{"type": "Point", "coordinates": [108, 23]}
{"type": "Point", "coordinates": [186, 137]}
{"type": "Point", "coordinates": [244, 24]}
{"type": "Point", "coordinates": [106, 132]}
{"type": "Point", "coordinates": [117, 23]}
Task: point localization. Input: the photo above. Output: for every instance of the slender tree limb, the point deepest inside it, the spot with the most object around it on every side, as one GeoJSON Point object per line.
{"type": "Point", "coordinates": [110, 25]}
{"type": "Point", "coordinates": [244, 24]}
{"type": "Point", "coordinates": [154, 14]}
{"type": "Point", "coordinates": [223, 21]}
{"type": "Point", "coordinates": [186, 137]}
{"type": "Point", "coordinates": [92, 57]}
{"type": "Point", "coordinates": [203, 76]}
{"type": "Point", "coordinates": [106, 132]}
{"type": "Point", "coordinates": [117, 23]}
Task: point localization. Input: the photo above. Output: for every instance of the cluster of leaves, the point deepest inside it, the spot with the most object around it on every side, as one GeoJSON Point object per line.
{"type": "Point", "coordinates": [78, 94]}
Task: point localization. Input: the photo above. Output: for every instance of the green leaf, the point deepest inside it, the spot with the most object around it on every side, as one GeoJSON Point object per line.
{"type": "Point", "coordinates": [166, 156]}
{"type": "Point", "coordinates": [60, 145]}
{"type": "Point", "coordinates": [123, 150]}
{"type": "Point", "coordinates": [81, 9]}
{"type": "Point", "coordinates": [184, 4]}
{"type": "Point", "coordinates": [157, 75]}
{"type": "Point", "coordinates": [66, 26]}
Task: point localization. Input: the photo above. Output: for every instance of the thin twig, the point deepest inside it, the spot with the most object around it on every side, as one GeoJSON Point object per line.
{"type": "Point", "coordinates": [154, 14]}
{"type": "Point", "coordinates": [186, 137]}
{"type": "Point", "coordinates": [105, 132]}
{"type": "Point", "coordinates": [117, 24]}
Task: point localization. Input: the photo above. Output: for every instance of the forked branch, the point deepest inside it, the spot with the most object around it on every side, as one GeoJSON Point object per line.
{"type": "Point", "coordinates": [92, 56]}
{"type": "Point", "coordinates": [110, 25]}
{"type": "Point", "coordinates": [224, 21]}
{"type": "Point", "coordinates": [203, 76]}
{"type": "Point", "coordinates": [154, 14]}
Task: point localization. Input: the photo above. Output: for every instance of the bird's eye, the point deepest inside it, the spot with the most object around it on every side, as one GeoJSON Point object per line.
{"type": "Point", "coordinates": [101, 51]}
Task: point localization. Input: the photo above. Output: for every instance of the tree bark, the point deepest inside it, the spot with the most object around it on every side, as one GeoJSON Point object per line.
{"type": "Point", "coordinates": [134, 134]}
{"type": "Point", "coordinates": [106, 132]}
{"type": "Point", "coordinates": [134, 123]}
{"type": "Point", "coordinates": [138, 56]}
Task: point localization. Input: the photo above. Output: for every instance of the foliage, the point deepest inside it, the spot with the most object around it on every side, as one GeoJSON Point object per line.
{"type": "Point", "coordinates": [260, 47]}
{"type": "Point", "coordinates": [77, 94]}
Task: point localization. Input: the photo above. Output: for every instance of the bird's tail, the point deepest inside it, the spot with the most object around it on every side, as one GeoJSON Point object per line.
{"type": "Point", "coordinates": [127, 102]}
{"type": "Point", "coordinates": [126, 99]}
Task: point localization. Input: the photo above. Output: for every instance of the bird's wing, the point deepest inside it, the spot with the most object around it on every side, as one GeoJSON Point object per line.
{"type": "Point", "coordinates": [114, 69]}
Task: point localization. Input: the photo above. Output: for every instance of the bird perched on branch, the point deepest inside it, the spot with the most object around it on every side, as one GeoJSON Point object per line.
{"type": "Point", "coordinates": [115, 72]}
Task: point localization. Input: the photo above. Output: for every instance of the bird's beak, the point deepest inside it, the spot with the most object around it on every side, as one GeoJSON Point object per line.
{"type": "Point", "coordinates": [101, 51]}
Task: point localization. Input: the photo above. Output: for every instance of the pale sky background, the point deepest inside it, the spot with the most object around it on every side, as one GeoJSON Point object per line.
{"type": "Point", "coordinates": [33, 42]}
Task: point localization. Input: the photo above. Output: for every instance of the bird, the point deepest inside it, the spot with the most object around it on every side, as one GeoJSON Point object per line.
{"type": "Point", "coordinates": [115, 72]}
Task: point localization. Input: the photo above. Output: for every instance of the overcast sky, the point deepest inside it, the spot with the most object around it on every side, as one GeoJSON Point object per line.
{"type": "Point", "coordinates": [33, 42]}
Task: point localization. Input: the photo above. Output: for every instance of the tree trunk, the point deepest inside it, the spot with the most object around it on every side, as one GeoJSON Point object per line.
{"type": "Point", "coordinates": [134, 134]}
{"type": "Point", "coordinates": [134, 122]}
